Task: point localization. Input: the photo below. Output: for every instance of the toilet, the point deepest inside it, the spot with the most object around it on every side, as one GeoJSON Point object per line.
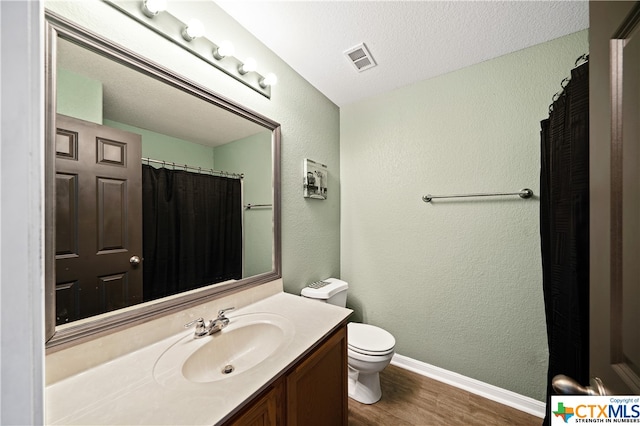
{"type": "Point", "coordinates": [370, 348]}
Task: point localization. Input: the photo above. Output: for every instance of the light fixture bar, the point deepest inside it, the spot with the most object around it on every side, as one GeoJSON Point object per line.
{"type": "Point", "coordinates": [171, 28]}
{"type": "Point", "coordinates": [152, 7]}
{"type": "Point", "coordinates": [223, 50]}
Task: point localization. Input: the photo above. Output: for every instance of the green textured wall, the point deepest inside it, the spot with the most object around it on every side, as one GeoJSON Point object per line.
{"type": "Point", "coordinates": [458, 283]}
{"type": "Point", "coordinates": [252, 156]}
{"type": "Point", "coordinates": [78, 96]}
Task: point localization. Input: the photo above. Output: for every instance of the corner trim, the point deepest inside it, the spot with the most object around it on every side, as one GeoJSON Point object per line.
{"type": "Point", "coordinates": [494, 393]}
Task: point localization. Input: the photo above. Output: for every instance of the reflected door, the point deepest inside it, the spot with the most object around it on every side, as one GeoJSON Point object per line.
{"type": "Point", "coordinates": [98, 219]}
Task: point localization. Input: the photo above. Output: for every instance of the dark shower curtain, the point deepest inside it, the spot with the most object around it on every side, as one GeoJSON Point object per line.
{"type": "Point", "coordinates": [564, 229]}
{"type": "Point", "coordinates": [192, 230]}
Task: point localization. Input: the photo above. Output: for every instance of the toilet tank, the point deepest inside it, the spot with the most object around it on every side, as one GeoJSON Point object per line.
{"type": "Point", "coordinates": [331, 290]}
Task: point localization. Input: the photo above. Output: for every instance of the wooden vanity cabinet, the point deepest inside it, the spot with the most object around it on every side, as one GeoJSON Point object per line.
{"type": "Point", "coordinates": [264, 410]}
{"type": "Point", "coordinates": [317, 386]}
{"type": "Point", "coordinates": [312, 392]}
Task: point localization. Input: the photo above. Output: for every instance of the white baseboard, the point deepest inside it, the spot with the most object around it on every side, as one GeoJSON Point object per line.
{"type": "Point", "coordinates": [494, 393]}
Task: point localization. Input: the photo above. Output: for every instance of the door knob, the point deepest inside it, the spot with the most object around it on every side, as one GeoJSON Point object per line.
{"type": "Point", "coordinates": [135, 261]}
{"type": "Point", "coordinates": [564, 385]}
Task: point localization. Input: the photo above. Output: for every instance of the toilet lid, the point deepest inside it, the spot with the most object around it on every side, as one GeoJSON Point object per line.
{"type": "Point", "coordinates": [365, 338]}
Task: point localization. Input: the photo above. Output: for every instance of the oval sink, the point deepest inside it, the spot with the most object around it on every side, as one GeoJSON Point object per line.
{"type": "Point", "coordinates": [245, 343]}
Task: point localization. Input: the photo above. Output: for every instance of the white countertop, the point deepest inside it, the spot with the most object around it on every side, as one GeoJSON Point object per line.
{"type": "Point", "coordinates": [124, 391]}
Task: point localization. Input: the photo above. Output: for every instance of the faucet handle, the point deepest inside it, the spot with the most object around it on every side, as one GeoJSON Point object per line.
{"type": "Point", "coordinates": [200, 325]}
{"type": "Point", "coordinates": [221, 312]}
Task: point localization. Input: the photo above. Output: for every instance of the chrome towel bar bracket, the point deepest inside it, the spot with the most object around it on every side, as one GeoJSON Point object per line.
{"type": "Point", "coordinates": [523, 193]}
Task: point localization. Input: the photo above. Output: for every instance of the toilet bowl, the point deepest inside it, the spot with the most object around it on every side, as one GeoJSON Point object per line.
{"type": "Point", "coordinates": [369, 351]}
{"type": "Point", "coordinates": [369, 348]}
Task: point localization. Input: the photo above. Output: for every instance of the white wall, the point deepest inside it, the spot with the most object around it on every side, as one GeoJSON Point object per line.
{"type": "Point", "coordinates": [458, 283]}
{"type": "Point", "coordinates": [21, 214]}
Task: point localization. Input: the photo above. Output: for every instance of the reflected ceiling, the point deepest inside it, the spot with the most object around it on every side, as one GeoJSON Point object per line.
{"type": "Point", "coordinates": [126, 95]}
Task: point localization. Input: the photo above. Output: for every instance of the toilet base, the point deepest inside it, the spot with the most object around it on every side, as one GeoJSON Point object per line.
{"type": "Point", "coordinates": [364, 388]}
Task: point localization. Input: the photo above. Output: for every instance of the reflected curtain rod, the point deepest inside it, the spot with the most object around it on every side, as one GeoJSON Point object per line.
{"type": "Point", "coordinates": [186, 167]}
{"type": "Point", "coordinates": [523, 193]}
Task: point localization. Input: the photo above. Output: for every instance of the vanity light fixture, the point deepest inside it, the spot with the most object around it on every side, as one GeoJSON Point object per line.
{"type": "Point", "coordinates": [249, 65]}
{"type": "Point", "coordinates": [223, 50]}
{"type": "Point", "coordinates": [183, 33]}
{"type": "Point", "coordinates": [193, 30]}
{"type": "Point", "coordinates": [152, 7]}
{"type": "Point", "coordinates": [270, 80]}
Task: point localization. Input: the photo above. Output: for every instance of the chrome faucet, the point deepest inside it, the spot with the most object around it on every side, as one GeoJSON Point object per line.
{"type": "Point", "coordinates": [213, 327]}
{"type": "Point", "coordinates": [220, 322]}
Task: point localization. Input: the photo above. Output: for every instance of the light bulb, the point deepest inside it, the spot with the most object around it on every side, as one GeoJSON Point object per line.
{"type": "Point", "coordinates": [152, 7]}
{"type": "Point", "coordinates": [224, 49]}
{"type": "Point", "coordinates": [193, 30]}
{"type": "Point", "coordinates": [270, 80]}
{"type": "Point", "coordinates": [248, 66]}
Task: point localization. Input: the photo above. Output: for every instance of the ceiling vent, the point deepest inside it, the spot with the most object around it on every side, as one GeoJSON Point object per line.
{"type": "Point", "coordinates": [360, 57]}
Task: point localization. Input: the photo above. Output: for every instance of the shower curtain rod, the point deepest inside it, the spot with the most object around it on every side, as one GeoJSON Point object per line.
{"type": "Point", "coordinates": [523, 193]}
{"type": "Point", "coordinates": [186, 167]}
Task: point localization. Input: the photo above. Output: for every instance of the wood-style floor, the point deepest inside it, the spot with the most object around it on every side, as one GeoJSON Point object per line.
{"type": "Point", "coordinates": [411, 399]}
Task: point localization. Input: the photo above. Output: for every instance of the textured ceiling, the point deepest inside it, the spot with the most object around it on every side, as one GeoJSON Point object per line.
{"type": "Point", "coordinates": [410, 40]}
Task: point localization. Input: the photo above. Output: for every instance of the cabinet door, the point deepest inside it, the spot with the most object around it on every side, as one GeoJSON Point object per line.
{"type": "Point", "coordinates": [265, 411]}
{"type": "Point", "coordinates": [317, 387]}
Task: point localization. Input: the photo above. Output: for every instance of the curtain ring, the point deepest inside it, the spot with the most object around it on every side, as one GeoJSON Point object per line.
{"type": "Point", "coordinates": [185, 167]}
{"type": "Point", "coordinates": [164, 163]}
{"type": "Point", "coordinates": [565, 82]}
{"type": "Point", "coordinates": [584, 58]}
{"type": "Point", "coordinates": [556, 96]}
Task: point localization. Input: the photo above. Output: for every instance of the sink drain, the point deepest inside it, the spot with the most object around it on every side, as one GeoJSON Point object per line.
{"type": "Point", "coordinates": [227, 369]}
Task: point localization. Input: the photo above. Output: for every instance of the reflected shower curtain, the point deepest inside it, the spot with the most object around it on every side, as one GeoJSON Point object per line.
{"type": "Point", "coordinates": [192, 230]}
{"type": "Point", "coordinates": [564, 231]}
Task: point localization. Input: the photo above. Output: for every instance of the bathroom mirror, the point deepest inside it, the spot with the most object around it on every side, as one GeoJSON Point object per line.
{"type": "Point", "coordinates": [160, 194]}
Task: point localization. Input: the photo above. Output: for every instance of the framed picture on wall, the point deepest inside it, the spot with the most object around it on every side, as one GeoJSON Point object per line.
{"type": "Point", "coordinates": [315, 179]}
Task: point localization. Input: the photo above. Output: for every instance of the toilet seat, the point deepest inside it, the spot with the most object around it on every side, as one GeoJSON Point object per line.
{"type": "Point", "coordinates": [369, 340]}
{"type": "Point", "coordinates": [370, 353]}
